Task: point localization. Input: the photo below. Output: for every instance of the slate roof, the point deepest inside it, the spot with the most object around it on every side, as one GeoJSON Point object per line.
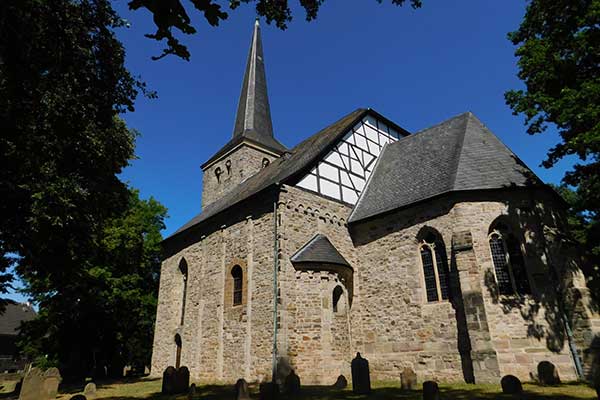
{"type": "Point", "coordinates": [319, 250]}
{"type": "Point", "coordinates": [459, 154]}
{"type": "Point", "coordinates": [283, 169]}
{"type": "Point", "coordinates": [11, 319]}
{"type": "Point", "coordinates": [253, 118]}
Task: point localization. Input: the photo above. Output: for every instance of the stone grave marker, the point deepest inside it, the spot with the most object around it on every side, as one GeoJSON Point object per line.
{"type": "Point", "coordinates": [431, 391]}
{"type": "Point", "coordinates": [192, 391]}
{"type": "Point", "coordinates": [241, 390]}
{"type": "Point", "coordinates": [182, 380]}
{"type": "Point", "coordinates": [408, 379]}
{"type": "Point", "coordinates": [341, 382]}
{"type": "Point", "coordinates": [33, 385]}
{"type": "Point", "coordinates": [511, 384]}
{"type": "Point", "coordinates": [361, 379]}
{"type": "Point", "coordinates": [547, 373]}
{"type": "Point", "coordinates": [52, 379]}
{"type": "Point", "coordinates": [292, 383]}
{"type": "Point", "coordinates": [90, 390]}
{"type": "Point", "coordinates": [169, 380]}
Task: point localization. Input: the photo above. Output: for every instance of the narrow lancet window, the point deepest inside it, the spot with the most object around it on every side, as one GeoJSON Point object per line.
{"type": "Point", "coordinates": [435, 268]}
{"type": "Point", "coordinates": [509, 263]}
{"type": "Point", "coordinates": [238, 284]}
{"type": "Point", "coordinates": [183, 268]}
{"type": "Point", "coordinates": [337, 294]}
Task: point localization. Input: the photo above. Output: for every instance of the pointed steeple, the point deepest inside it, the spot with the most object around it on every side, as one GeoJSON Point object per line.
{"type": "Point", "coordinates": [253, 118]}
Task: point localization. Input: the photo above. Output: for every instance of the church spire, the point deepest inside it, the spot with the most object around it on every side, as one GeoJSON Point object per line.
{"type": "Point", "coordinates": [253, 118]}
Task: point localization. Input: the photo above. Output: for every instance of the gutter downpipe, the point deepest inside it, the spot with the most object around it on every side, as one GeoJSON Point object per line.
{"type": "Point", "coordinates": [275, 286]}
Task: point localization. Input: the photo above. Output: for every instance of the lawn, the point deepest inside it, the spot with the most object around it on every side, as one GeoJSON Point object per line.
{"type": "Point", "coordinates": [146, 388]}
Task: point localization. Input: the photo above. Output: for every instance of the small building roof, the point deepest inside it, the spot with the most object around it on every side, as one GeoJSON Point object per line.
{"type": "Point", "coordinates": [319, 250]}
{"type": "Point", "coordinates": [14, 314]}
{"type": "Point", "coordinates": [459, 154]}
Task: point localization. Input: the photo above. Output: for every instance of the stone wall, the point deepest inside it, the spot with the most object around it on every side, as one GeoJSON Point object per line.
{"type": "Point", "coordinates": [221, 342]}
{"type": "Point", "coordinates": [235, 167]}
{"type": "Point", "coordinates": [384, 314]}
{"type": "Point", "coordinates": [509, 333]}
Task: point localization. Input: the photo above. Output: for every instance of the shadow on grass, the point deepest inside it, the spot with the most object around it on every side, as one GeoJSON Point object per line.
{"type": "Point", "coordinates": [465, 392]}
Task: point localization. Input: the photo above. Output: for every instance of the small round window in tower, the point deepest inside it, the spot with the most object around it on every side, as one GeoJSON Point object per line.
{"type": "Point", "coordinates": [218, 173]}
{"type": "Point", "coordinates": [265, 162]}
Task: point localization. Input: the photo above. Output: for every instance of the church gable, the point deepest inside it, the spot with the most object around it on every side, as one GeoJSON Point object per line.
{"type": "Point", "coordinates": [343, 172]}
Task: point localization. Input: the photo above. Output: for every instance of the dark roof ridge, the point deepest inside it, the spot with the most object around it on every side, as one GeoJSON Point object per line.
{"type": "Point", "coordinates": [467, 115]}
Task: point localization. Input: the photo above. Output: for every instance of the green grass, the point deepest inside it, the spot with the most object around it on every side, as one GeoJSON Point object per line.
{"type": "Point", "coordinates": [145, 388]}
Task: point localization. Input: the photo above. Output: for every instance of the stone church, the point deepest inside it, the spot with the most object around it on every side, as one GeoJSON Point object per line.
{"type": "Point", "coordinates": [437, 250]}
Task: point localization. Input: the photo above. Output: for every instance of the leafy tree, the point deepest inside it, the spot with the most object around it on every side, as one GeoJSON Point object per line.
{"type": "Point", "coordinates": [171, 14]}
{"type": "Point", "coordinates": [63, 85]}
{"type": "Point", "coordinates": [108, 317]}
{"type": "Point", "coordinates": [559, 57]}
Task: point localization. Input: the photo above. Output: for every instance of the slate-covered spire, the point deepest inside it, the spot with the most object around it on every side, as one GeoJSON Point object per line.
{"type": "Point", "coordinates": [253, 118]}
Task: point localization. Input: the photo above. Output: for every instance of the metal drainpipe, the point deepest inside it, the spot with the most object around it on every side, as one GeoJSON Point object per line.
{"type": "Point", "coordinates": [559, 295]}
{"type": "Point", "coordinates": [275, 287]}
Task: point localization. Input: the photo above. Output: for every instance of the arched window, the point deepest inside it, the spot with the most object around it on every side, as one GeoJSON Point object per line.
{"type": "Point", "coordinates": [435, 267]}
{"type": "Point", "coordinates": [228, 166]}
{"type": "Point", "coordinates": [265, 162]}
{"type": "Point", "coordinates": [238, 284]}
{"type": "Point", "coordinates": [178, 354]}
{"type": "Point", "coordinates": [509, 264]}
{"type": "Point", "coordinates": [218, 173]}
{"type": "Point", "coordinates": [337, 294]}
{"type": "Point", "coordinates": [183, 268]}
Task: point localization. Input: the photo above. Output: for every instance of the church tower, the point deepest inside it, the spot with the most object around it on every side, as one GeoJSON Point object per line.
{"type": "Point", "coordinates": [253, 145]}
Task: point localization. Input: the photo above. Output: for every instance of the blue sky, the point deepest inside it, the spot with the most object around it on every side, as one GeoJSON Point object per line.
{"type": "Point", "coordinates": [416, 67]}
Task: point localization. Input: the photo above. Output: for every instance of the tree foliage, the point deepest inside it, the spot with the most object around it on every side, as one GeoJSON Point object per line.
{"type": "Point", "coordinates": [169, 15]}
{"type": "Point", "coordinates": [559, 62]}
{"type": "Point", "coordinates": [104, 319]}
{"type": "Point", "coordinates": [71, 229]}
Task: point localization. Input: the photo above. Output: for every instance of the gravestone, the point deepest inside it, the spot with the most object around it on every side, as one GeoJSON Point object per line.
{"type": "Point", "coordinates": [268, 391]}
{"type": "Point", "coordinates": [511, 385]}
{"type": "Point", "coordinates": [408, 379]}
{"type": "Point", "coordinates": [90, 390]}
{"type": "Point", "coordinates": [241, 390]}
{"type": "Point", "coordinates": [169, 384]}
{"type": "Point", "coordinates": [78, 397]}
{"type": "Point", "coordinates": [361, 380]}
{"type": "Point", "coordinates": [431, 391]}
{"type": "Point", "coordinates": [192, 391]}
{"type": "Point", "coordinates": [182, 380]}
{"type": "Point", "coordinates": [547, 373]}
{"type": "Point", "coordinates": [292, 383]}
{"type": "Point", "coordinates": [341, 382]}
{"type": "Point", "coordinates": [33, 385]}
{"type": "Point", "coordinates": [52, 379]}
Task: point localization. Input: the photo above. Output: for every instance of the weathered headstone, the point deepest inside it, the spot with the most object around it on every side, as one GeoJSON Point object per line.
{"type": "Point", "coordinates": [192, 391]}
{"type": "Point", "coordinates": [169, 381]}
{"type": "Point", "coordinates": [90, 390]}
{"type": "Point", "coordinates": [292, 384]}
{"type": "Point", "coordinates": [341, 382]}
{"type": "Point", "coordinates": [52, 379]}
{"type": "Point", "coordinates": [361, 379]}
{"type": "Point", "coordinates": [182, 380]}
{"type": "Point", "coordinates": [511, 384]}
{"type": "Point", "coordinates": [33, 385]}
{"type": "Point", "coordinates": [78, 397]}
{"type": "Point", "coordinates": [241, 390]}
{"type": "Point", "coordinates": [408, 379]}
{"type": "Point", "coordinates": [431, 391]}
{"type": "Point", "coordinates": [547, 373]}
{"type": "Point", "coordinates": [268, 391]}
